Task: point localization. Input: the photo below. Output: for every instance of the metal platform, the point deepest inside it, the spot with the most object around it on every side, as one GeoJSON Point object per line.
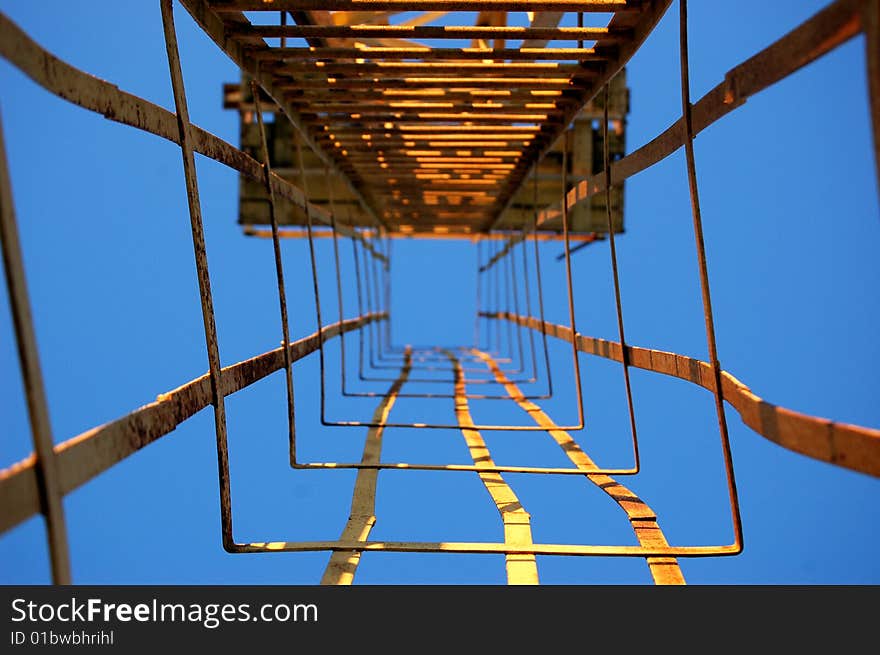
{"type": "Point", "coordinates": [424, 123]}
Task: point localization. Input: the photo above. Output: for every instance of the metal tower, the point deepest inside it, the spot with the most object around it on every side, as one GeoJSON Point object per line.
{"type": "Point", "coordinates": [366, 121]}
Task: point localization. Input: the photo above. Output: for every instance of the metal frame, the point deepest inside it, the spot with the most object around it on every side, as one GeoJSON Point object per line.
{"type": "Point", "coordinates": [31, 486]}
{"type": "Point", "coordinates": [371, 424]}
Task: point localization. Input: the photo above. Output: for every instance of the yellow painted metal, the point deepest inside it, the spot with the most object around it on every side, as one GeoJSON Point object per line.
{"type": "Point", "coordinates": [664, 570]}
{"type": "Point", "coordinates": [521, 568]}
{"type": "Point", "coordinates": [342, 566]}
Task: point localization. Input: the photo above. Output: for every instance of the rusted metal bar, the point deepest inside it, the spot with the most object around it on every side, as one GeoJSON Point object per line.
{"type": "Point", "coordinates": [429, 5]}
{"type": "Point", "coordinates": [518, 95]}
{"type": "Point", "coordinates": [849, 446]}
{"type": "Point", "coordinates": [540, 286]}
{"type": "Point", "coordinates": [341, 311]}
{"type": "Point", "coordinates": [532, 349]}
{"type": "Point", "coordinates": [339, 295]}
{"type": "Point", "coordinates": [641, 517]}
{"type": "Point", "coordinates": [607, 47]}
{"type": "Point", "coordinates": [570, 286]}
{"type": "Point", "coordinates": [494, 295]}
{"type": "Point", "coordinates": [580, 16]}
{"type": "Point", "coordinates": [300, 233]}
{"type": "Point", "coordinates": [478, 253]}
{"type": "Point", "coordinates": [87, 455]}
{"type": "Point", "coordinates": [331, 87]}
{"type": "Point", "coordinates": [462, 353]}
{"type": "Point", "coordinates": [429, 232]}
{"type": "Point", "coordinates": [641, 28]}
{"type": "Point", "coordinates": [430, 355]}
{"type": "Point", "coordinates": [459, 131]}
{"type": "Point", "coordinates": [487, 548]}
{"type": "Point", "coordinates": [96, 95]}
{"type": "Point", "coordinates": [407, 350]}
{"type": "Point", "coordinates": [871, 27]}
{"type": "Point", "coordinates": [859, 445]}
{"type": "Point", "coordinates": [543, 19]}
{"type": "Point", "coordinates": [510, 295]}
{"type": "Point", "coordinates": [704, 273]}
{"type": "Point", "coordinates": [428, 32]}
{"type": "Point", "coordinates": [318, 313]}
{"type": "Point", "coordinates": [595, 237]}
{"type": "Point", "coordinates": [431, 54]}
{"type": "Point", "coordinates": [464, 468]}
{"type": "Point", "coordinates": [283, 24]}
{"type": "Point", "coordinates": [372, 291]}
{"type": "Point", "coordinates": [420, 425]}
{"type": "Point", "coordinates": [820, 34]}
{"type": "Point", "coordinates": [317, 294]}
{"type": "Point", "coordinates": [215, 28]}
{"type": "Point", "coordinates": [44, 464]}
{"type": "Point", "coordinates": [495, 298]}
{"type": "Point", "coordinates": [279, 274]}
{"type": "Point", "coordinates": [399, 110]}
{"type": "Point", "coordinates": [480, 298]}
{"type": "Point", "coordinates": [341, 113]}
{"type": "Point", "coordinates": [422, 68]}
{"type": "Point", "coordinates": [362, 517]}
{"type": "Point", "coordinates": [606, 157]}
{"type": "Point", "coordinates": [521, 569]}
{"type": "Point", "coordinates": [444, 118]}
{"type": "Point", "coordinates": [201, 260]}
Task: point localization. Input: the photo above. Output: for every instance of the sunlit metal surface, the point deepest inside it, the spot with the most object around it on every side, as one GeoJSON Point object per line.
{"type": "Point", "coordinates": [385, 128]}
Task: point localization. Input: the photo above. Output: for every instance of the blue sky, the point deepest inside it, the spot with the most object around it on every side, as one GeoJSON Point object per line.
{"type": "Point", "coordinates": [790, 201]}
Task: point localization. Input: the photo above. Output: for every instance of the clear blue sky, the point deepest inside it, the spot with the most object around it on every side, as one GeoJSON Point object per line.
{"type": "Point", "coordinates": [792, 224]}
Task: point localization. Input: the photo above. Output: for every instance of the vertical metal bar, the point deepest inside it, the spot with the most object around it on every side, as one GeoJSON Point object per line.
{"type": "Point", "coordinates": [375, 305]}
{"type": "Point", "coordinates": [51, 500]}
{"type": "Point", "coordinates": [510, 292]}
{"type": "Point", "coordinates": [624, 352]}
{"type": "Point", "coordinates": [514, 293]}
{"type": "Point", "coordinates": [283, 23]}
{"type": "Point", "coordinates": [387, 268]}
{"type": "Point", "coordinates": [527, 292]}
{"type": "Point", "coordinates": [360, 302]}
{"type": "Point", "coordinates": [528, 295]}
{"type": "Point", "coordinates": [580, 24]}
{"type": "Point", "coordinates": [496, 301]}
{"type": "Point", "coordinates": [871, 25]}
{"type": "Point", "coordinates": [375, 301]}
{"type": "Point", "coordinates": [478, 251]}
{"type": "Point", "coordinates": [540, 285]}
{"type": "Point", "coordinates": [341, 309]}
{"type": "Point", "coordinates": [704, 273]}
{"type": "Point", "coordinates": [381, 302]}
{"type": "Point", "coordinates": [566, 139]}
{"type": "Point", "coordinates": [201, 260]}
{"type": "Point", "coordinates": [530, 333]}
{"type": "Point", "coordinates": [505, 278]}
{"type": "Point", "coordinates": [375, 336]}
{"type": "Point", "coordinates": [314, 263]}
{"type": "Point", "coordinates": [374, 284]}
{"type": "Point", "coordinates": [279, 274]}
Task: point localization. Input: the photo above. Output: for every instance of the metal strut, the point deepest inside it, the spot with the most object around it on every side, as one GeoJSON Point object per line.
{"type": "Point", "coordinates": [201, 260]}
{"type": "Point", "coordinates": [46, 467]}
{"type": "Point", "coordinates": [372, 424]}
{"type": "Point", "coordinates": [497, 353]}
